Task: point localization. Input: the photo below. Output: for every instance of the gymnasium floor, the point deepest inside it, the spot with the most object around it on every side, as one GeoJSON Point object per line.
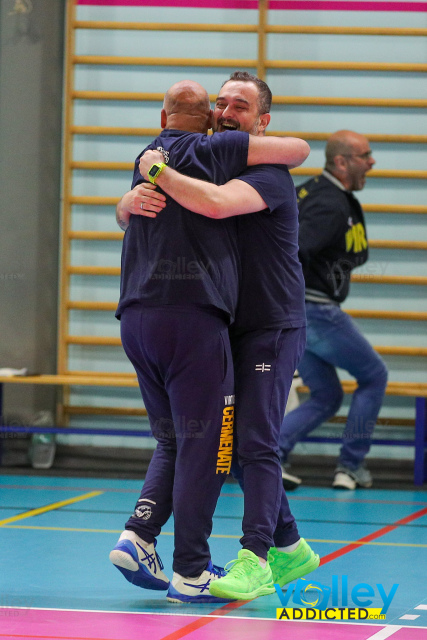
{"type": "Point", "coordinates": [56, 581]}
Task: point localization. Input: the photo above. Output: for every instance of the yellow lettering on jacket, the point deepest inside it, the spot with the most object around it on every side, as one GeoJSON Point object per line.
{"type": "Point", "coordinates": [355, 238]}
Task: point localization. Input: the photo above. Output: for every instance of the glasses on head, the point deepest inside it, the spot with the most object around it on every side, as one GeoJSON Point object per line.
{"type": "Point", "coordinates": [364, 156]}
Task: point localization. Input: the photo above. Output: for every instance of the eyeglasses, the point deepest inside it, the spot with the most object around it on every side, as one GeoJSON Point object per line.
{"type": "Point", "coordinates": [364, 156]}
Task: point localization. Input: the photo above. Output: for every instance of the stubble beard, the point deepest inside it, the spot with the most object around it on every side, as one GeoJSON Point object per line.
{"type": "Point", "coordinates": [235, 126]}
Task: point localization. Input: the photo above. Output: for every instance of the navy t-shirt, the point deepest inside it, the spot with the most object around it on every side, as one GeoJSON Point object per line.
{"type": "Point", "coordinates": [181, 257]}
{"type": "Point", "coordinates": [272, 285]}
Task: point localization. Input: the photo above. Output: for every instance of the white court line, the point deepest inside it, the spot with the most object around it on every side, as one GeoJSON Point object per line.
{"type": "Point", "coordinates": [409, 616]}
{"type": "Point", "coordinates": [385, 633]}
{"type": "Point", "coordinates": [422, 606]}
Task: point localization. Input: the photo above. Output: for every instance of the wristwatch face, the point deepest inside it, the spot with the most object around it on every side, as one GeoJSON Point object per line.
{"type": "Point", "coordinates": [153, 171]}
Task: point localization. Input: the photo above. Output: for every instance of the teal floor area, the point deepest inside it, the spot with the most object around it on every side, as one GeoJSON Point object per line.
{"type": "Point", "coordinates": [55, 554]}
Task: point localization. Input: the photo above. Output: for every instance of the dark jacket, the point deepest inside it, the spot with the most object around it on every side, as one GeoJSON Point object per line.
{"type": "Point", "coordinates": [332, 237]}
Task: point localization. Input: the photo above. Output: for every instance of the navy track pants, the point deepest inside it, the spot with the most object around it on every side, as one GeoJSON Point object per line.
{"type": "Point", "coordinates": [183, 361]}
{"type": "Point", "coordinates": [264, 362]}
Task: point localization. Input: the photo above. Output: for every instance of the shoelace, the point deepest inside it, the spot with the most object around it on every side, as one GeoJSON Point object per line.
{"type": "Point", "coordinates": [158, 557]}
{"type": "Point", "coordinates": [159, 561]}
{"type": "Point", "coordinates": [218, 571]}
{"type": "Point", "coordinates": [238, 565]}
{"type": "Point", "coordinates": [151, 558]}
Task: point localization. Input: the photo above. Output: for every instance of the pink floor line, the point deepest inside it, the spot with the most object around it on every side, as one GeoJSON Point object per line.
{"type": "Point", "coordinates": [54, 624]}
{"type": "Point", "coordinates": [284, 5]}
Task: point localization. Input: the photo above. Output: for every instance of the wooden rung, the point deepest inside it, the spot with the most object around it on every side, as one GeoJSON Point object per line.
{"type": "Point", "coordinates": [368, 278]}
{"type": "Point", "coordinates": [373, 137]}
{"type": "Point", "coordinates": [386, 315]}
{"type": "Point", "coordinates": [84, 305]}
{"type": "Point", "coordinates": [393, 422]}
{"type": "Point", "coordinates": [391, 67]}
{"type": "Point", "coordinates": [351, 102]}
{"type": "Point", "coordinates": [401, 351]}
{"type": "Point", "coordinates": [406, 389]}
{"type": "Point", "coordinates": [373, 244]}
{"type": "Point", "coordinates": [90, 379]}
{"type": "Point", "coordinates": [306, 135]}
{"type": "Point", "coordinates": [96, 235]}
{"type": "Point", "coordinates": [104, 374]}
{"type": "Point", "coordinates": [247, 28]}
{"type": "Point", "coordinates": [397, 244]}
{"type": "Point", "coordinates": [116, 131]}
{"type": "Point", "coordinates": [165, 26]}
{"type": "Point", "coordinates": [111, 341]}
{"type": "Point", "coordinates": [345, 31]}
{"type": "Point", "coordinates": [368, 208]}
{"type": "Point", "coordinates": [365, 278]}
{"type": "Point", "coordinates": [117, 95]}
{"type": "Point", "coordinates": [114, 379]}
{"type": "Point", "coordinates": [237, 63]}
{"type": "Point", "coordinates": [403, 385]}
{"type": "Point", "coordinates": [131, 411]}
{"type": "Point", "coordinates": [104, 341]}
{"type": "Point", "coordinates": [398, 173]}
{"type": "Point", "coordinates": [92, 200]}
{"type": "Point", "coordinates": [301, 100]}
{"type": "Point", "coordinates": [100, 411]}
{"type": "Point", "coordinates": [97, 165]}
{"type": "Point", "coordinates": [127, 411]}
{"type": "Point", "coordinates": [94, 271]}
{"type": "Point", "coordinates": [394, 208]}
{"type": "Point", "coordinates": [375, 173]}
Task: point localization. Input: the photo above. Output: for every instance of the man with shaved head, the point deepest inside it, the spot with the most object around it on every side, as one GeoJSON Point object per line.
{"type": "Point", "coordinates": [332, 240]}
{"type": "Point", "coordinates": [178, 295]}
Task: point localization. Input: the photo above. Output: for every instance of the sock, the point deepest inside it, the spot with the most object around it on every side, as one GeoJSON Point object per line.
{"type": "Point", "coordinates": [290, 548]}
{"type": "Point", "coordinates": [263, 562]}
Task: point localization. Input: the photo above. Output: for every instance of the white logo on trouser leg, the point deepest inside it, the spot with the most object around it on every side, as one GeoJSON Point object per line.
{"type": "Point", "coordinates": [144, 512]}
{"type": "Point", "coordinates": [262, 367]}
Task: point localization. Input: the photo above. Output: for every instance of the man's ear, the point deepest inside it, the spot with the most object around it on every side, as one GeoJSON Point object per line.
{"type": "Point", "coordinates": [340, 163]}
{"type": "Point", "coordinates": [264, 121]}
{"type": "Point", "coordinates": [163, 119]}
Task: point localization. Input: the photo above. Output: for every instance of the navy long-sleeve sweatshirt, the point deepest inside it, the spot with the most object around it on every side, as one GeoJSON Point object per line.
{"type": "Point", "coordinates": [332, 237]}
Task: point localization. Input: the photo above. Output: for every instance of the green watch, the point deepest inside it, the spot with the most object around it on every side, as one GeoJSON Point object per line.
{"type": "Point", "coordinates": [155, 170]}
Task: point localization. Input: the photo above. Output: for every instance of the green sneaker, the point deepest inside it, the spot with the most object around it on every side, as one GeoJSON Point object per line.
{"type": "Point", "coordinates": [245, 580]}
{"type": "Point", "coordinates": [287, 567]}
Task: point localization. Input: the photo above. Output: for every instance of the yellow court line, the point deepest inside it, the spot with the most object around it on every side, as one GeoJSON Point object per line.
{"type": "Point", "coordinates": [215, 535]}
{"type": "Point", "coordinates": [67, 529]}
{"type": "Point", "coordinates": [50, 507]}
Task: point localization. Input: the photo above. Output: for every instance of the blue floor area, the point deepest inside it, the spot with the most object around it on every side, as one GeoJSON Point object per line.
{"type": "Point", "coordinates": [59, 559]}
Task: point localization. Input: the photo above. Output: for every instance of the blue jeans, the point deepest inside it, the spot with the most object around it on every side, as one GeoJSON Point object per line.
{"type": "Point", "coordinates": [333, 340]}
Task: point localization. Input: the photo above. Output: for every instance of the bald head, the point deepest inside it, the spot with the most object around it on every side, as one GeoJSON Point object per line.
{"type": "Point", "coordinates": [349, 158]}
{"type": "Point", "coordinates": [187, 107]}
{"type": "Point", "coordinates": [342, 143]}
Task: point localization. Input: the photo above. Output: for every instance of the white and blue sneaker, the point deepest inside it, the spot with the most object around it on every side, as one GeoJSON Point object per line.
{"type": "Point", "coordinates": [195, 589]}
{"type": "Point", "coordinates": [138, 562]}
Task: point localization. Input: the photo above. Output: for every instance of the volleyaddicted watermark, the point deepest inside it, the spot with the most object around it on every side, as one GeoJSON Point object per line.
{"type": "Point", "coordinates": [317, 601]}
